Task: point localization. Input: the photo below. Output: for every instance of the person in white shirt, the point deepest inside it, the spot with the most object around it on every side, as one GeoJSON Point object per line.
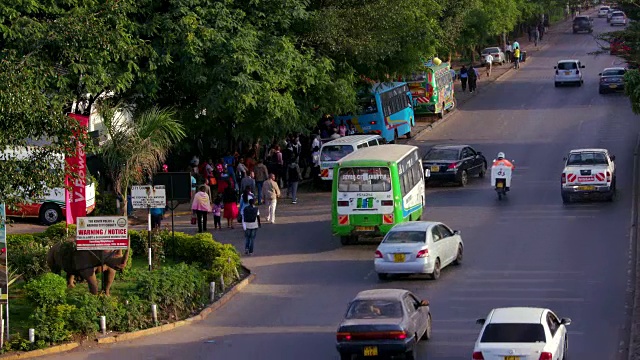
{"type": "Point", "coordinates": [250, 224]}
{"type": "Point", "coordinates": [489, 62]}
{"type": "Point", "coordinates": [508, 50]}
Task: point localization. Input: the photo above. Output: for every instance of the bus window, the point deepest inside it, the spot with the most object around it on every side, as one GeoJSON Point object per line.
{"type": "Point", "coordinates": [352, 179]}
{"type": "Point", "coordinates": [367, 105]}
{"type": "Point", "coordinates": [335, 152]}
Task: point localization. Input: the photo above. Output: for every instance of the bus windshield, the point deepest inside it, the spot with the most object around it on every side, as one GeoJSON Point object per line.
{"type": "Point", "coordinates": [367, 105]}
{"type": "Point", "coordinates": [335, 152]}
{"type": "Point", "coordinates": [374, 179]}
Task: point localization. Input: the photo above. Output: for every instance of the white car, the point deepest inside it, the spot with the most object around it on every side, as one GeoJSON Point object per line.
{"type": "Point", "coordinates": [568, 72]}
{"type": "Point", "coordinates": [519, 333]}
{"type": "Point", "coordinates": [418, 247]}
{"type": "Point", "coordinates": [603, 11]}
{"type": "Point", "coordinates": [618, 18]}
{"type": "Point", "coordinates": [498, 56]}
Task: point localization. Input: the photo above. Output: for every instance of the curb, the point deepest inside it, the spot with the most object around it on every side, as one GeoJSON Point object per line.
{"type": "Point", "coordinates": [146, 332]}
{"type": "Point", "coordinates": [42, 352]}
{"type": "Point", "coordinates": [634, 260]}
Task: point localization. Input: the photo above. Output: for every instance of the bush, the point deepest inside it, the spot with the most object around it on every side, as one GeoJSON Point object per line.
{"type": "Point", "coordinates": [47, 290]}
{"type": "Point", "coordinates": [17, 240]}
{"type": "Point", "coordinates": [139, 241]}
{"type": "Point", "coordinates": [178, 290]}
{"type": "Point", "coordinates": [58, 232]}
{"type": "Point", "coordinates": [27, 258]}
{"type": "Point", "coordinates": [53, 324]}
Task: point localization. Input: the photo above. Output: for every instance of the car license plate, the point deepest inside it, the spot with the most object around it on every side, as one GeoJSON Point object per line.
{"type": "Point", "coordinates": [586, 188]}
{"type": "Point", "coordinates": [372, 351]}
{"type": "Point", "coordinates": [500, 185]}
{"type": "Point", "coordinates": [512, 358]}
{"type": "Point", "coordinates": [567, 72]}
{"type": "Point", "coordinates": [398, 257]}
{"type": "Point", "coordinates": [435, 168]}
{"type": "Point", "coordinates": [365, 228]}
{"type": "Point", "coordinates": [613, 86]}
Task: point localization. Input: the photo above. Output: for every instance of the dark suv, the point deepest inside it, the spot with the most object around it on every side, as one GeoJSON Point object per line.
{"type": "Point", "coordinates": [582, 23]}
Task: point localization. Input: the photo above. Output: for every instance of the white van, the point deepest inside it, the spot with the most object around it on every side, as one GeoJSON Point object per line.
{"type": "Point", "coordinates": [334, 150]}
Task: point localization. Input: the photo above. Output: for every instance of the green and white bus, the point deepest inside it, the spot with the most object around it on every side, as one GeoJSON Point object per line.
{"type": "Point", "coordinates": [374, 189]}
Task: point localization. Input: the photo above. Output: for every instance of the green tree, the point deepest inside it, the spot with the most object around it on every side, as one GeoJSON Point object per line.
{"type": "Point", "coordinates": [137, 147]}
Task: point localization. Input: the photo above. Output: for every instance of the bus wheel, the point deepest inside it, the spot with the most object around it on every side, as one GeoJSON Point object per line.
{"type": "Point", "coordinates": [395, 136]}
{"type": "Point", "coordinates": [441, 113]}
{"type": "Point", "coordinates": [50, 214]}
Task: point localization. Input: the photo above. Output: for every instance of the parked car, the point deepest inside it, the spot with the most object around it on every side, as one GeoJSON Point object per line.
{"type": "Point", "coordinates": [618, 18]}
{"type": "Point", "coordinates": [568, 72]}
{"type": "Point", "coordinates": [611, 11]}
{"type": "Point", "coordinates": [522, 333]}
{"type": "Point", "coordinates": [453, 163]}
{"type": "Point", "coordinates": [582, 23]}
{"type": "Point", "coordinates": [498, 55]}
{"type": "Point", "coordinates": [611, 79]}
{"type": "Point", "coordinates": [418, 247]}
{"type": "Point", "coordinates": [604, 10]}
{"type": "Point", "coordinates": [383, 322]}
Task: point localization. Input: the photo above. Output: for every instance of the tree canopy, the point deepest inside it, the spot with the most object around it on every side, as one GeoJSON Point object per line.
{"type": "Point", "coordinates": [237, 69]}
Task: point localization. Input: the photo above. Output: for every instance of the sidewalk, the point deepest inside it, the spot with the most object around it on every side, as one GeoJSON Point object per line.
{"type": "Point", "coordinates": [426, 123]}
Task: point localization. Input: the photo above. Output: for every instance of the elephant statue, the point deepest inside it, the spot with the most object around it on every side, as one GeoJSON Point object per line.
{"type": "Point", "coordinates": [86, 264]}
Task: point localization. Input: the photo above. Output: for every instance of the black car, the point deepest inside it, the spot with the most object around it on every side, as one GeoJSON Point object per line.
{"type": "Point", "coordinates": [453, 163]}
{"type": "Point", "coordinates": [611, 79]}
{"type": "Point", "coordinates": [383, 322]}
{"type": "Point", "coordinates": [582, 23]}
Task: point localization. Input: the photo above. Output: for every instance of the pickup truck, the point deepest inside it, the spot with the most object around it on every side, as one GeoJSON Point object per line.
{"type": "Point", "coordinates": [588, 172]}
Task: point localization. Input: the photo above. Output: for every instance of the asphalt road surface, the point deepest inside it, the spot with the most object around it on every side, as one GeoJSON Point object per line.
{"type": "Point", "coordinates": [529, 250]}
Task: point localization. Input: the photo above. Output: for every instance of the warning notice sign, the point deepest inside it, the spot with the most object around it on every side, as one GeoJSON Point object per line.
{"type": "Point", "coordinates": [102, 233]}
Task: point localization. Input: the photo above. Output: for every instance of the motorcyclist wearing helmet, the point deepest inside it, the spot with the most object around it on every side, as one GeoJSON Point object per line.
{"type": "Point", "coordinates": [501, 161]}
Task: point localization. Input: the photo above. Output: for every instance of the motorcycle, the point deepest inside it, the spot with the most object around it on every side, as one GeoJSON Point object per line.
{"type": "Point", "coordinates": [501, 179]}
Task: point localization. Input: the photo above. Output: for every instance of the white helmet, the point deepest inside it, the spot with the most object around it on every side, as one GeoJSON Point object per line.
{"type": "Point", "coordinates": [501, 155]}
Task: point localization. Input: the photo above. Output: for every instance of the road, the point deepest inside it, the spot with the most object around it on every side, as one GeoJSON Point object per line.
{"type": "Point", "coordinates": [530, 250]}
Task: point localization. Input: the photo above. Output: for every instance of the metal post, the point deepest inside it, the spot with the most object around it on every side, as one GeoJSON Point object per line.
{"type": "Point", "coordinates": [149, 218]}
{"type": "Point", "coordinates": [32, 335]}
{"type": "Point", "coordinates": [154, 313]}
{"type": "Point", "coordinates": [222, 282]}
{"type": "Point", "coordinates": [212, 291]}
{"type": "Point", "coordinates": [103, 325]}
{"type": "Point", "coordinates": [237, 273]}
{"type": "Point", "coordinates": [173, 231]}
{"type": "Point", "coordinates": [2, 334]}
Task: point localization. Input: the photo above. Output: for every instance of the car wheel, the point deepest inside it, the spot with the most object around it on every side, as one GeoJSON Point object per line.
{"type": "Point", "coordinates": [464, 178]}
{"type": "Point", "coordinates": [427, 333]}
{"type": "Point", "coordinates": [382, 276]}
{"type": "Point", "coordinates": [575, 31]}
{"type": "Point", "coordinates": [435, 275]}
{"type": "Point", "coordinates": [565, 351]}
{"type": "Point", "coordinates": [50, 214]}
{"type": "Point", "coordinates": [412, 354]}
{"type": "Point", "coordinates": [346, 357]}
{"type": "Point", "coordinates": [483, 171]}
{"type": "Point", "coordinates": [580, 83]}
{"type": "Point", "coordinates": [600, 91]}
{"type": "Point", "coordinates": [459, 256]}
{"type": "Point", "coordinates": [557, 84]}
{"type": "Point", "coordinates": [566, 199]}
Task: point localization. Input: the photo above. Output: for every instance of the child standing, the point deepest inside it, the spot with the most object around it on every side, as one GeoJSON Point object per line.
{"type": "Point", "coordinates": [217, 212]}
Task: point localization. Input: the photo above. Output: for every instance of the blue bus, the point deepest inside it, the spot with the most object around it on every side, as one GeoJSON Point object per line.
{"type": "Point", "coordinates": [386, 109]}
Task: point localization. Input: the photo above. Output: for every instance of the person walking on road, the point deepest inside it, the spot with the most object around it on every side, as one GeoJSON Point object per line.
{"type": "Point", "coordinates": [217, 212]}
{"type": "Point", "coordinates": [250, 224]}
{"type": "Point", "coordinates": [294, 179]}
{"type": "Point", "coordinates": [261, 175]}
{"type": "Point", "coordinates": [473, 77]}
{"type": "Point", "coordinates": [249, 182]}
{"type": "Point", "coordinates": [229, 199]}
{"type": "Point", "coordinates": [271, 193]}
{"type": "Point", "coordinates": [536, 37]}
{"type": "Point", "coordinates": [508, 51]}
{"type": "Point", "coordinates": [516, 58]}
{"type": "Point", "coordinates": [463, 78]}
{"type": "Point", "coordinates": [201, 206]}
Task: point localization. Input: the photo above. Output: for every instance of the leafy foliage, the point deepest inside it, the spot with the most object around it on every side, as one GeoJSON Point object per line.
{"type": "Point", "coordinates": [47, 290]}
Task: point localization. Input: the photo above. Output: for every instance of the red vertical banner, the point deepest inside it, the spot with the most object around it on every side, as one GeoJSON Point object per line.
{"type": "Point", "coordinates": [75, 197]}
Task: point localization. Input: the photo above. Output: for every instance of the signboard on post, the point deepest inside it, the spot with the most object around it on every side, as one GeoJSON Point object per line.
{"type": "Point", "coordinates": [147, 196]}
{"type": "Point", "coordinates": [4, 277]}
{"type": "Point", "coordinates": [102, 233]}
